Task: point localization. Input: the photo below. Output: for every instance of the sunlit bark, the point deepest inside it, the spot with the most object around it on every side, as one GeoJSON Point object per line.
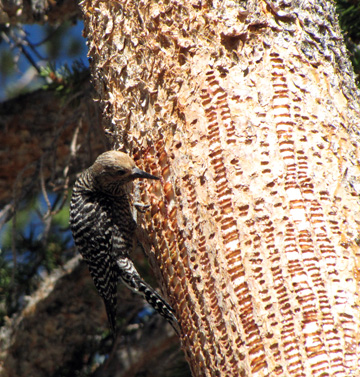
{"type": "Point", "coordinates": [248, 113]}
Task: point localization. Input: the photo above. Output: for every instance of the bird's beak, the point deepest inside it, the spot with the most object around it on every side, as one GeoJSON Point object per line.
{"type": "Point", "coordinates": [137, 173]}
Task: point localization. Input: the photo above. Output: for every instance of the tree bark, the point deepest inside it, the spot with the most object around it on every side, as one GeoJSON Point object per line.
{"type": "Point", "coordinates": [248, 112]}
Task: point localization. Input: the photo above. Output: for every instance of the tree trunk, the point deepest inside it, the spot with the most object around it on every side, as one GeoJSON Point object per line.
{"type": "Point", "coordinates": [248, 113]}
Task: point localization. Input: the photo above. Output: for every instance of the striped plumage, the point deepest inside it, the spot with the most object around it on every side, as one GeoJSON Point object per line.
{"type": "Point", "coordinates": [104, 230]}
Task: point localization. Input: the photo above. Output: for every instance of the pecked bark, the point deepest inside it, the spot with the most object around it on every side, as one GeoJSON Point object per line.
{"type": "Point", "coordinates": [250, 115]}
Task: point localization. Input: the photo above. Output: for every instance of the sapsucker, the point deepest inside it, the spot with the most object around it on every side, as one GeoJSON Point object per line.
{"type": "Point", "coordinates": [104, 230]}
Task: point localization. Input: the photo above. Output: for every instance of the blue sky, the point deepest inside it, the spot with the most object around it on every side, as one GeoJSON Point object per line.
{"type": "Point", "coordinates": [66, 48]}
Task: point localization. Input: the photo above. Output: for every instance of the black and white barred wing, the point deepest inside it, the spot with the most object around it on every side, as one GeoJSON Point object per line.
{"type": "Point", "coordinates": [92, 227]}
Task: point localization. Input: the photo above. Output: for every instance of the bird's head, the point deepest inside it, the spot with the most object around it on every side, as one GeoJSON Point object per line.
{"type": "Point", "coordinates": [114, 169]}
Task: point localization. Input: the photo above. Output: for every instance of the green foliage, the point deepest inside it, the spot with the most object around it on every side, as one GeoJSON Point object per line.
{"type": "Point", "coordinates": [64, 80]}
{"type": "Point", "coordinates": [7, 65]}
{"type": "Point", "coordinates": [349, 18]}
{"type": "Point", "coordinates": [31, 250]}
{"type": "Point", "coordinates": [5, 283]}
{"type": "Point", "coordinates": [25, 49]}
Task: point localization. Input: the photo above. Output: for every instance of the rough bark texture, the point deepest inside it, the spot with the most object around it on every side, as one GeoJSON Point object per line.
{"type": "Point", "coordinates": [248, 113]}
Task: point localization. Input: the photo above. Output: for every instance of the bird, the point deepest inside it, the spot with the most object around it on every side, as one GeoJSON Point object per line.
{"type": "Point", "coordinates": [104, 231]}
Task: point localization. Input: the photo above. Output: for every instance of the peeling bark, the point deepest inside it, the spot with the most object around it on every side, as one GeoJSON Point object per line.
{"type": "Point", "coordinates": [250, 115]}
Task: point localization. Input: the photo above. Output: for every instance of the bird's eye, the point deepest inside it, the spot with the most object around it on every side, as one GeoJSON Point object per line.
{"type": "Point", "coordinates": [120, 173]}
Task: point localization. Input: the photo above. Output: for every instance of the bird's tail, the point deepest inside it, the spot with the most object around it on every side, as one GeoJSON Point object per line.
{"type": "Point", "coordinates": [111, 314]}
{"type": "Point", "coordinates": [132, 279]}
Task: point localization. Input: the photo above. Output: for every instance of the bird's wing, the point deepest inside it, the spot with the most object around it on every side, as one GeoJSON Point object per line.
{"type": "Point", "coordinates": [92, 226]}
{"type": "Point", "coordinates": [124, 226]}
